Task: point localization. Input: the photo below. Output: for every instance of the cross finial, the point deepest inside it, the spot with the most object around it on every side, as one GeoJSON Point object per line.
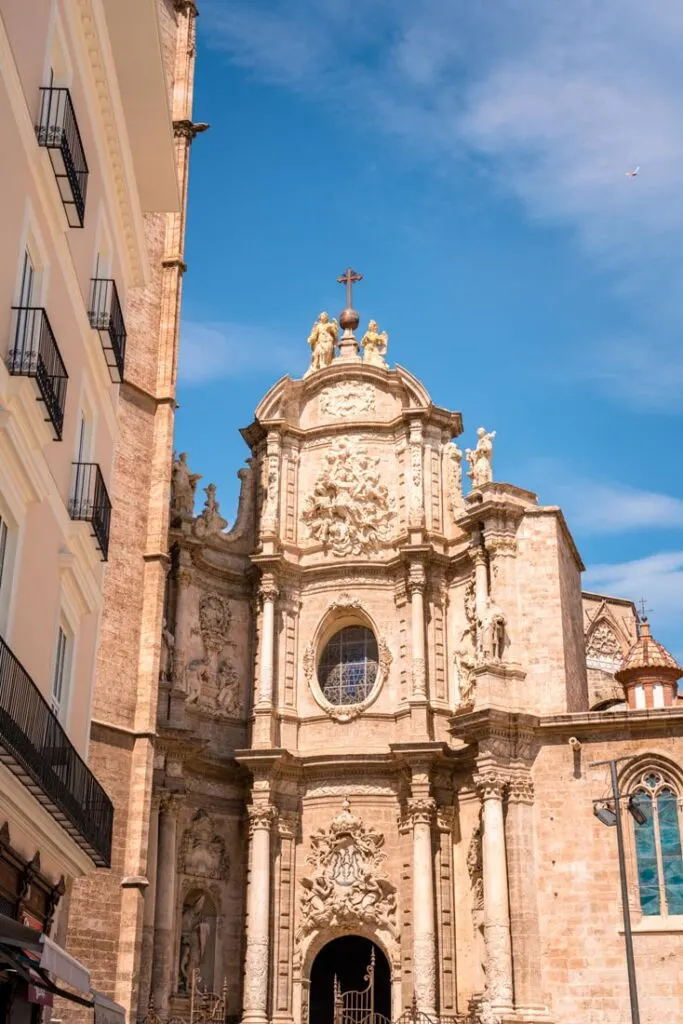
{"type": "Point", "coordinates": [643, 610]}
{"type": "Point", "coordinates": [349, 278]}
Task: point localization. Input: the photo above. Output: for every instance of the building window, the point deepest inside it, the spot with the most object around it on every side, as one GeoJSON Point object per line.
{"type": "Point", "coordinates": [62, 674]}
{"type": "Point", "coordinates": [348, 666]}
{"type": "Point", "coordinates": [658, 846]}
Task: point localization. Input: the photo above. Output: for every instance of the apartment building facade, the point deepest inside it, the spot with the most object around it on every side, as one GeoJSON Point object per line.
{"type": "Point", "coordinates": [88, 157]}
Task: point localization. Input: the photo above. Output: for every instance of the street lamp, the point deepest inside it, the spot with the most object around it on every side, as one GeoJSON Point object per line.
{"type": "Point", "coordinates": [608, 812]}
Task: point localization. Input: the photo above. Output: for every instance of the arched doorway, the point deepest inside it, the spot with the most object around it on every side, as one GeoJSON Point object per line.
{"type": "Point", "coordinates": [347, 959]}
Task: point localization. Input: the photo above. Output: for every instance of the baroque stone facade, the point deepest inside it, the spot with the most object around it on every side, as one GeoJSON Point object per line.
{"type": "Point", "coordinates": [376, 718]}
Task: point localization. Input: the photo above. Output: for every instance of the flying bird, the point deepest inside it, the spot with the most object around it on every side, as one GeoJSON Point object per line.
{"type": "Point", "coordinates": [632, 174]}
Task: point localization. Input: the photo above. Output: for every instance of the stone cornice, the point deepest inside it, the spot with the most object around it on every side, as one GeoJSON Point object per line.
{"type": "Point", "coordinates": [114, 129]}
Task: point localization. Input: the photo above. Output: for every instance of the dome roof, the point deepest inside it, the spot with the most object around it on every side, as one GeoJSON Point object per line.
{"type": "Point", "coordinates": [646, 655]}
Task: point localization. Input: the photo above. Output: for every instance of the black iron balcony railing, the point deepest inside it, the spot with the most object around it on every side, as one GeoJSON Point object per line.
{"type": "Point", "coordinates": [35, 353]}
{"type": "Point", "coordinates": [90, 502]}
{"type": "Point", "coordinates": [106, 317]}
{"type": "Point", "coordinates": [57, 130]}
{"type": "Point", "coordinates": [34, 746]}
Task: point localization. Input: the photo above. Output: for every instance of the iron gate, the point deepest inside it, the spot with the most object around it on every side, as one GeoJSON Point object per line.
{"type": "Point", "coordinates": [357, 1006]}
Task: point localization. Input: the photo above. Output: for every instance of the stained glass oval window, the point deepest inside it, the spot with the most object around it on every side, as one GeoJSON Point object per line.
{"type": "Point", "coordinates": [348, 666]}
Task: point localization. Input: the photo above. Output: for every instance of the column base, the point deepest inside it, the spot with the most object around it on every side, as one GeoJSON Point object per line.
{"type": "Point", "coordinates": [263, 729]}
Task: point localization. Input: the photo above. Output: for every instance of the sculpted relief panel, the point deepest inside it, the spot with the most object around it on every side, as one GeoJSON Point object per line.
{"type": "Point", "coordinates": [212, 681]}
{"type": "Point", "coordinates": [350, 510]}
{"type": "Point", "coordinates": [349, 398]}
{"type": "Point", "coordinates": [347, 887]}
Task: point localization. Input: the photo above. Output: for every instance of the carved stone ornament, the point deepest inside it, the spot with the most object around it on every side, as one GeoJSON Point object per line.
{"type": "Point", "coordinates": [209, 522]}
{"type": "Point", "coordinates": [348, 398]}
{"type": "Point", "coordinates": [347, 888]}
{"type": "Point", "coordinates": [350, 511]}
{"type": "Point", "coordinates": [214, 621]}
{"type": "Point", "coordinates": [465, 663]}
{"type": "Point", "coordinates": [521, 789]}
{"type": "Point", "coordinates": [203, 853]}
{"type": "Point", "coordinates": [490, 784]}
{"type": "Point", "coordinates": [421, 810]}
{"type": "Point", "coordinates": [479, 459]}
{"type": "Point", "coordinates": [602, 645]}
{"type": "Point", "coordinates": [491, 633]}
{"type": "Point", "coordinates": [261, 816]}
{"type": "Point", "coordinates": [183, 486]}
{"type": "Point", "coordinates": [475, 869]}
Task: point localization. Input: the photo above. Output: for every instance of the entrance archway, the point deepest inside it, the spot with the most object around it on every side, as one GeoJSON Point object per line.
{"type": "Point", "coordinates": [348, 959]}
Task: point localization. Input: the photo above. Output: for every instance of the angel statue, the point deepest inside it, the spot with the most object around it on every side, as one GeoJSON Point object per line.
{"type": "Point", "coordinates": [480, 471]}
{"type": "Point", "coordinates": [374, 345]}
{"type": "Point", "coordinates": [322, 339]}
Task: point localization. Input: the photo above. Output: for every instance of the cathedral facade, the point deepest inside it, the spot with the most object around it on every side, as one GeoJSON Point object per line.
{"type": "Point", "coordinates": [381, 696]}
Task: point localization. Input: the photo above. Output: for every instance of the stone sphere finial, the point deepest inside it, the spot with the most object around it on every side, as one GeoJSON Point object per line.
{"type": "Point", "coordinates": [349, 319]}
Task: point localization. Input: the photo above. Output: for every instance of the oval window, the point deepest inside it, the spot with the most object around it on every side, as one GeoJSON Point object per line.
{"type": "Point", "coordinates": [348, 666]}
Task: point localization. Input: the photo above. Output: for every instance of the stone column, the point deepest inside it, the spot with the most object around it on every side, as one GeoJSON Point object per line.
{"type": "Point", "coordinates": [164, 911]}
{"type": "Point", "coordinates": [256, 974]}
{"type": "Point", "coordinates": [416, 508]}
{"type": "Point", "coordinates": [416, 588]}
{"type": "Point", "coordinates": [490, 784]}
{"type": "Point", "coordinates": [524, 924]}
{"type": "Point", "coordinates": [183, 619]}
{"type": "Point", "coordinates": [268, 593]}
{"type": "Point", "coordinates": [481, 577]}
{"type": "Point", "coordinates": [149, 910]}
{"type": "Point", "coordinates": [421, 812]}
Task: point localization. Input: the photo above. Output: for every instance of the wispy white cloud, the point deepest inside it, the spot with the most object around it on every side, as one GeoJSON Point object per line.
{"type": "Point", "coordinates": [551, 102]}
{"type": "Point", "coordinates": [216, 351]}
{"type": "Point", "coordinates": [658, 578]}
{"type": "Point", "coordinates": [595, 506]}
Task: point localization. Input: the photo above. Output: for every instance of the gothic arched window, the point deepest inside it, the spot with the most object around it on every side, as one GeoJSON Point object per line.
{"type": "Point", "coordinates": [348, 665]}
{"type": "Point", "coordinates": [658, 845]}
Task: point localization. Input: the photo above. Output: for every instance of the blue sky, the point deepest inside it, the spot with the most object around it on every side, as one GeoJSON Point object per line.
{"type": "Point", "coordinates": [470, 161]}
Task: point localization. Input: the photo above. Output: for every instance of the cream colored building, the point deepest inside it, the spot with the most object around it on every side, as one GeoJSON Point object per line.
{"type": "Point", "coordinates": [87, 158]}
{"type": "Point", "coordinates": [381, 693]}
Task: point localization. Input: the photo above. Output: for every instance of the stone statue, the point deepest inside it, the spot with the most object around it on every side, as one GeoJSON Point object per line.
{"type": "Point", "coordinates": [322, 339]}
{"type": "Point", "coordinates": [205, 854]}
{"type": "Point", "coordinates": [454, 477]}
{"type": "Point", "coordinates": [374, 345]}
{"type": "Point", "coordinates": [209, 521]}
{"type": "Point", "coordinates": [465, 665]}
{"type": "Point", "coordinates": [193, 940]}
{"type": "Point", "coordinates": [228, 697]}
{"type": "Point", "coordinates": [492, 632]}
{"type": "Point", "coordinates": [183, 486]}
{"type": "Point", "coordinates": [167, 653]}
{"type": "Point", "coordinates": [480, 471]}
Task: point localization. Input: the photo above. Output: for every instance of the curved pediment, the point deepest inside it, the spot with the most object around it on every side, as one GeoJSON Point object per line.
{"type": "Point", "coordinates": [343, 392]}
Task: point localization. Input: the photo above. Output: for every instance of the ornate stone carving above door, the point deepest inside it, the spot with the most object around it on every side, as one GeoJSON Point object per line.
{"type": "Point", "coordinates": [203, 853]}
{"type": "Point", "coordinates": [348, 398]}
{"type": "Point", "coordinates": [347, 887]}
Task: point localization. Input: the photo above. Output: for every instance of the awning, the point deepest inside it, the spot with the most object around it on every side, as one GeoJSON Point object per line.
{"type": "Point", "coordinates": [107, 1012]}
{"type": "Point", "coordinates": [34, 957]}
{"type": "Point", "coordinates": [17, 935]}
{"type": "Point", "coordinates": [63, 966]}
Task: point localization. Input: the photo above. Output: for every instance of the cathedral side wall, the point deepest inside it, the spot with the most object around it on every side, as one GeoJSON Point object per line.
{"type": "Point", "coordinates": [572, 623]}
{"type": "Point", "coordinates": [550, 616]}
{"type": "Point", "coordinates": [583, 957]}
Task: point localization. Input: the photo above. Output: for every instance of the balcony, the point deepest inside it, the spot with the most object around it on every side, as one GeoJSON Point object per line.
{"type": "Point", "coordinates": [34, 746]}
{"type": "Point", "coordinates": [35, 354]}
{"type": "Point", "coordinates": [57, 130]}
{"type": "Point", "coordinates": [106, 317]}
{"type": "Point", "coordinates": [90, 503]}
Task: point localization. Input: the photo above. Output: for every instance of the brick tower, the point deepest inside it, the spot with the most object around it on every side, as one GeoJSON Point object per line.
{"type": "Point", "coordinates": [106, 910]}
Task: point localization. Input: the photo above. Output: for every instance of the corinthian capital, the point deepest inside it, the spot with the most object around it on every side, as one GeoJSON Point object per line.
{"type": "Point", "coordinates": [420, 810]}
{"type": "Point", "coordinates": [490, 784]}
{"type": "Point", "coordinates": [261, 816]}
{"type": "Point", "coordinates": [268, 588]}
{"type": "Point", "coordinates": [417, 579]}
{"type": "Point", "coordinates": [521, 789]}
